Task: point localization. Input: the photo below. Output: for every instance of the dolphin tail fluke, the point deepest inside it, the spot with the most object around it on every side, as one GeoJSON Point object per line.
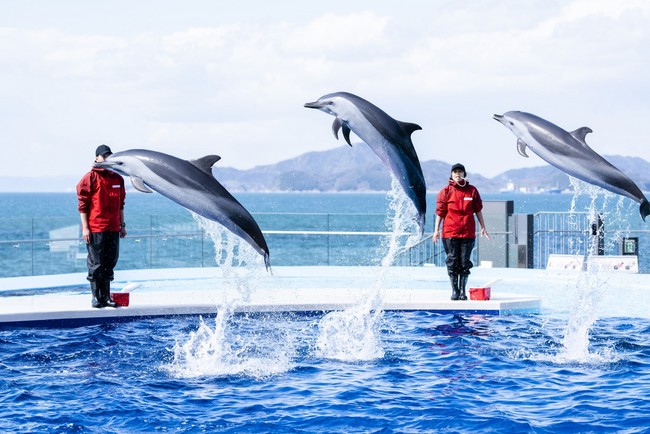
{"type": "Point", "coordinates": [267, 263]}
{"type": "Point", "coordinates": [644, 208]}
{"type": "Point", "coordinates": [422, 223]}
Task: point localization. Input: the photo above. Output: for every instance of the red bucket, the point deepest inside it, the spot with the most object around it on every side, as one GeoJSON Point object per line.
{"type": "Point", "coordinates": [121, 298]}
{"type": "Point", "coordinates": [481, 293]}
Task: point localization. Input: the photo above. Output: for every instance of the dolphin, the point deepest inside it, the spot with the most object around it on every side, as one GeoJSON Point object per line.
{"type": "Point", "coordinates": [192, 185]}
{"type": "Point", "coordinates": [569, 152]}
{"type": "Point", "coordinates": [388, 138]}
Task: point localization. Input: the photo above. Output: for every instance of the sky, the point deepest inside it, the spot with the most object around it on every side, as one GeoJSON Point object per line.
{"type": "Point", "coordinates": [197, 77]}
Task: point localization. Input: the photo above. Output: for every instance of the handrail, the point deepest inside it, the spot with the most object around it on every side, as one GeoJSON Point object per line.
{"type": "Point", "coordinates": [425, 236]}
{"type": "Point", "coordinates": [553, 232]}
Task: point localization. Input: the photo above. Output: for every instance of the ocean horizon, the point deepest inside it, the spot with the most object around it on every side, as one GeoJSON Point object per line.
{"type": "Point", "coordinates": [42, 216]}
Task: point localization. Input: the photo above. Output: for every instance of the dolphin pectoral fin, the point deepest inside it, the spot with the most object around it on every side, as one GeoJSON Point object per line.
{"type": "Point", "coordinates": [580, 135]}
{"type": "Point", "coordinates": [346, 134]}
{"type": "Point", "coordinates": [336, 126]}
{"type": "Point", "coordinates": [139, 185]}
{"type": "Point", "coordinates": [339, 124]}
{"type": "Point", "coordinates": [205, 164]}
{"type": "Point", "coordinates": [521, 148]}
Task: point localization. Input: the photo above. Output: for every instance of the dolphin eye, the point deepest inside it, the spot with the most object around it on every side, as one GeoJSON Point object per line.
{"type": "Point", "coordinates": [510, 122]}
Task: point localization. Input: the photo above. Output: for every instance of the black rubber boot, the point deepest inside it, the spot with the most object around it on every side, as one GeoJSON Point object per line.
{"type": "Point", "coordinates": [462, 282]}
{"type": "Point", "coordinates": [105, 291]}
{"type": "Point", "coordinates": [94, 289]}
{"type": "Point", "coordinates": [454, 286]}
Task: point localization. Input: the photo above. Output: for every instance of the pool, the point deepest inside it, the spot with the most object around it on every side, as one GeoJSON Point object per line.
{"type": "Point", "coordinates": [581, 365]}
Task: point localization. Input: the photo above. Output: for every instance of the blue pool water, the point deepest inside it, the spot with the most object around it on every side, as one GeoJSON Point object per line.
{"type": "Point", "coordinates": [580, 366]}
{"type": "Point", "coordinates": [438, 373]}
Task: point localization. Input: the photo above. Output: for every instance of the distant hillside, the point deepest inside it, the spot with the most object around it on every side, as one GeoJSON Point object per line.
{"type": "Point", "coordinates": [353, 168]}
{"type": "Point", "coordinates": [356, 168]}
{"type": "Point", "coordinates": [545, 177]}
{"type": "Point", "coordinates": [345, 168]}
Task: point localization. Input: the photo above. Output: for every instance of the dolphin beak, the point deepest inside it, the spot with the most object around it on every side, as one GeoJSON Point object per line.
{"type": "Point", "coordinates": [105, 164]}
{"type": "Point", "coordinates": [314, 105]}
{"type": "Point", "coordinates": [499, 118]}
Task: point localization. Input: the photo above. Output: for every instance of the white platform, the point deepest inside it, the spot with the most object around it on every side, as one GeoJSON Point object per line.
{"type": "Point", "coordinates": [31, 301]}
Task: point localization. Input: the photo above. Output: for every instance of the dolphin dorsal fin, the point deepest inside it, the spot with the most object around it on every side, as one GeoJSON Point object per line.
{"type": "Point", "coordinates": [139, 185]}
{"type": "Point", "coordinates": [581, 134]}
{"type": "Point", "coordinates": [521, 148]}
{"type": "Point", "coordinates": [205, 164]}
{"type": "Point", "coordinates": [409, 127]}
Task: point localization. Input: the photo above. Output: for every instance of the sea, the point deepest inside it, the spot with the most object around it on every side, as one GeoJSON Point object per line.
{"type": "Point", "coordinates": [302, 228]}
{"type": "Point", "coordinates": [419, 372]}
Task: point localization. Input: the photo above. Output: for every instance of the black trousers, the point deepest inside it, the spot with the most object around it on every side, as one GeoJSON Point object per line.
{"type": "Point", "coordinates": [103, 252]}
{"type": "Point", "coordinates": [459, 252]}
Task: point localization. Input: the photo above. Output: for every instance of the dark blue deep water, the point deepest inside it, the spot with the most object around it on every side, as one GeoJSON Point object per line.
{"type": "Point", "coordinates": [439, 373]}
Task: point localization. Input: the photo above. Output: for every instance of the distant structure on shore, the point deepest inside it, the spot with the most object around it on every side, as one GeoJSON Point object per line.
{"type": "Point", "coordinates": [511, 187]}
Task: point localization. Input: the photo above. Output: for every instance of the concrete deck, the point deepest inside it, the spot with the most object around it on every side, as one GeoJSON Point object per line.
{"type": "Point", "coordinates": [64, 300]}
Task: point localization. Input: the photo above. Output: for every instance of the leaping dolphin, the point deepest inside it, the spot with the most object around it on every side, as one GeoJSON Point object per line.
{"type": "Point", "coordinates": [388, 138]}
{"type": "Point", "coordinates": [570, 153]}
{"type": "Point", "coordinates": [192, 185]}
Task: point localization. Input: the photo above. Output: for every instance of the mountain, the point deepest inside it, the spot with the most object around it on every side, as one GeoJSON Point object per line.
{"type": "Point", "coordinates": [356, 168]}
{"type": "Point", "coordinates": [344, 168]}
{"type": "Point", "coordinates": [548, 177]}
{"type": "Point", "coordinates": [353, 168]}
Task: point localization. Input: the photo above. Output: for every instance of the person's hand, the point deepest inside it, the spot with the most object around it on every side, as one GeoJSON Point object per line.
{"type": "Point", "coordinates": [85, 234]}
{"type": "Point", "coordinates": [122, 232]}
{"type": "Point", "coordinates": [436, 235]}
{"type": "Point", "coordinates": [485, 234]}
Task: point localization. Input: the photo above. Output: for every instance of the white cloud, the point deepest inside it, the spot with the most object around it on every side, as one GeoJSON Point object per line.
{"type": "Point", "coordinates": [349, 37]}
{"type": "Point", "coordinates": [240, 85]}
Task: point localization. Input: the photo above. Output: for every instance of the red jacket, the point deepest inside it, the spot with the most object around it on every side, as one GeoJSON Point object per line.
{"type": "Point", "coordinates": [457, 206]}
{"type": "Point", "coordinates": [101, 195]}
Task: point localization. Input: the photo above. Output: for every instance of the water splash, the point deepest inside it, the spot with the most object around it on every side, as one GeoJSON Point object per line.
{"type": "Point", "coordinates": [402, 219]}
{"type": "Point", "coordinates": [590, 285]}
{"type": "Point", "coordinates": [354, 333]}
{"type": "Point", "coordinates": [350, 335]}
{"type": "Point", "coordinates": [217, 350]}
{"type": "Point", "coordinates": [239, 262]}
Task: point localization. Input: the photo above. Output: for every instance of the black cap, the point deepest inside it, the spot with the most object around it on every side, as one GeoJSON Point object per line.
{"type": "Point", "coordinates": [103, 150]}
{"type": "Point", "coordinates": [459, 166]}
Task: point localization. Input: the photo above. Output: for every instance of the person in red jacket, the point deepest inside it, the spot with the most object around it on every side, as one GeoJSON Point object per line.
{"type": "Point", "coordinates": [101, 196]}
{"type": "Point", "coordinates": [456, 205]}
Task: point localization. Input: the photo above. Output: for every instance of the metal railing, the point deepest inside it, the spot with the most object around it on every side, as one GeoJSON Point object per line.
{"type": "Point", "coordinates": [35, 246]}
{"type": "Point", "coordinates": [54, 246]}
{"type": "Point", "coordinates": [574, 233]}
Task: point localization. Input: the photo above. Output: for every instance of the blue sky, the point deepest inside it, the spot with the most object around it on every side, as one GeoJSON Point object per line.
{"type": "Point", "coordinates": [191, 78]}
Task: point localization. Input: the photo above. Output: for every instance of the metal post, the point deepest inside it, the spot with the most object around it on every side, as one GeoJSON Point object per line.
{"type": "Point", "coordinates": [328, 238]}
{"type": "Point", "coordinates": [598, 235]}
{"type": "Point", "coordinates": [150, 242]}
{"type": "Point", "coordinates": [32, 244]}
